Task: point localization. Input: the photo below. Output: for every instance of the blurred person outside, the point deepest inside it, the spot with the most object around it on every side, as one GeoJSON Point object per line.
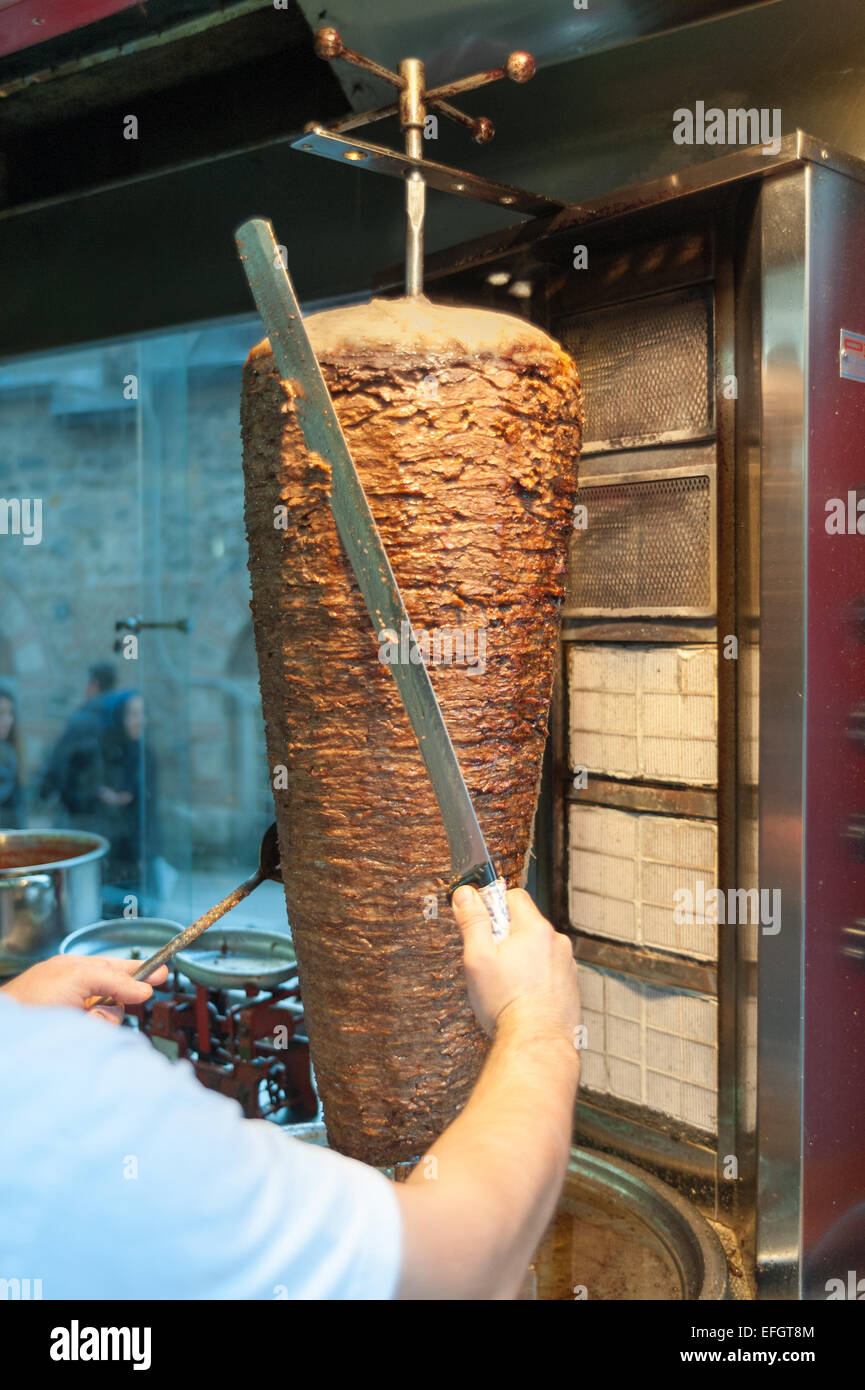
{"type": "Point", "coordinates": [129, 798]}
{"type": "Point", "coordinates": [73, 774]}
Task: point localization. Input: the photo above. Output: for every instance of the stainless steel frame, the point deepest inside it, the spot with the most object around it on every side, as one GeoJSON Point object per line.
{"type": "Point", "coordinates": [378, 159]}
{"type": "Point", "coordinates": [786, 235]}
{"type": "Point", "coordinates": [778, 394]}
{"type": "Point", "coordinates": [805, 285]}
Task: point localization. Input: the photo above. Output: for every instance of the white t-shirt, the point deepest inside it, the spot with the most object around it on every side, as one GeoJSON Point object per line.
{"type": "Point", "coordinates": [121, 1176]}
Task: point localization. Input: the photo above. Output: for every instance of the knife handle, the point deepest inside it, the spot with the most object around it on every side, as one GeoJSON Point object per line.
{"type": "Point", "coordinates": [493, 890]}
{"type": "Point", "coordinates": [496, 904]}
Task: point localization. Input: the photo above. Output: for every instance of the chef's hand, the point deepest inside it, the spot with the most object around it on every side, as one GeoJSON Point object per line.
{"type": "Point", "coordinates": [73, 981]}
{"type": "Point", "coordinates": [532, 974]}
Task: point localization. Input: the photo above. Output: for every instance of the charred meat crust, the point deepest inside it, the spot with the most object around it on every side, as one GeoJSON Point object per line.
{"type": "Point", "coordinates": [470, 467]}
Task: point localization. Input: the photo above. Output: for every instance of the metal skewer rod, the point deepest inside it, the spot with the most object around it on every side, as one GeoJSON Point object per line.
{"type": "Point", "coordinates": [412, 114]}
{"type": "Point", "coordinates": [478, 125]}
{"type": "Point", "coordinates": [190, 934]}
{"type": "Point", "coordinates": [268, 868]}
{"type": "Point", "coordinates": [412, 104]}
{"type": "Point", "coordinates": [329, 45]}
{"type": "Point", "coordinates": [519, 67]}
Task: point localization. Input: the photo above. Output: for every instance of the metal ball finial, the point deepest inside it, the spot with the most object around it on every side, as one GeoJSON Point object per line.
{"type": "Point", "coordinates": [328, 43]}
{"type": "Point", "coordinates": [520, 66]}
{"type": "Point", "coordinates": [484, 130]}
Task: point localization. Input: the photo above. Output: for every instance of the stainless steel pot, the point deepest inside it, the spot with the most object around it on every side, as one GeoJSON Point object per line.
{"type": "Point", "coordinates": [50, 883]}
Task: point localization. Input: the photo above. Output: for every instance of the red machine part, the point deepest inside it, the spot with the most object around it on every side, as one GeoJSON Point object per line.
{"type": "Point", "coordinates": [834, 1035]}
{"type": "Point", "coordinates": [24, 23]}
{"type": "Point", "coordinates": [252, 1049]}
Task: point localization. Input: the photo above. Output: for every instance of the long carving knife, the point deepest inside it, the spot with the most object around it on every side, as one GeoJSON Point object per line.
{"type": "Point", "coordinates": [277, 304]}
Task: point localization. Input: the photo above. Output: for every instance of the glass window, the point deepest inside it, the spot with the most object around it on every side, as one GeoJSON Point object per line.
{"type": "Point", "coordinates": [129, 701]}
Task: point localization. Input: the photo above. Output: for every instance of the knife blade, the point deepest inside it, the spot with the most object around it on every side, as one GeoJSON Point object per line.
{"type": "Point", "coordinates": [277, 304]}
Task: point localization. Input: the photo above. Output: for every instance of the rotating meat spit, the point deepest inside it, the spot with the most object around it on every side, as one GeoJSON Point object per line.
{"type": "Point", "coordinates": [410, 165]}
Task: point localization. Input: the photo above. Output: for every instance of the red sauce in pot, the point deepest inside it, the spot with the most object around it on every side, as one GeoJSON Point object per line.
{"type": "Point", "coordinates": [18, 856]}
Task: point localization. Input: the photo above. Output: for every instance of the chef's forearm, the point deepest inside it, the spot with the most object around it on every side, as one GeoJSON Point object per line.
{"type": "Point", "coordinates": [477, 1204]}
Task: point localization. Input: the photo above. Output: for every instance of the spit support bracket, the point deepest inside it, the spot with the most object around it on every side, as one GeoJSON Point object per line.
{"type": "Point", "coordinates": [411, 107]}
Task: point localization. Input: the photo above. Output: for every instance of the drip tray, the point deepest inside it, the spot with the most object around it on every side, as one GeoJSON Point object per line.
{"type": "Point", "coordinates": [619, 1233]}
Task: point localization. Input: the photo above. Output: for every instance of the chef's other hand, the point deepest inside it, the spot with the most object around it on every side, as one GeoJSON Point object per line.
{"type": "Point", "coordinates": [532, 973]}
{"type": "Point", "coordinates": [72, 981]}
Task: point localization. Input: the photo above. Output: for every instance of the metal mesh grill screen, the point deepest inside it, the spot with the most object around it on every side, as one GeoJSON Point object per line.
{"type": "Point", "coordinates": [646, 549]}
{"type": "Point", "coordinates": [644, 366]}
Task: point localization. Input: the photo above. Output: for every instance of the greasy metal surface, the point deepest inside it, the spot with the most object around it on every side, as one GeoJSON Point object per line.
{"type": "Point", "coordinates": [646, 368]}
{"type": "Point", "coordinates": [733, 1193]}
{"type": "Point", "coordinates": [623, 268]}
{"type": "Point", "coordinates": [45, 65]}
{"type": "Point", "coordinates": [330, 45]}
{"type": "Point", "coordinates": [647, 549]}
{"type": "Point", "coordinates": [41, 903]}
{"type": "Point", "coordinates": [689, 1241]}
{"type": "Point", "coordinates": [672, 458]}
{"type": "Point", "coordinates": [268, 866]}
{"type": "Point", "coordinates": [740, 1264]}
{"type": "Point", "coordinates": [280, 312]}
{"type": "Point", "coordinates": [712, 177]}
{"type": "Point", "coordinates": [227, 959]}
{"type": "Point", "coordinates": [665, 631]}
{"type": "Point", "coordinates": [677, 1156]}
{"type": "Point", "coordinates": [833, 1129]}
{"type": "Point", "coordinates": [378, 159]}
{"type": "Point", "coordinates": [458, 34]}
{"type": "Point", "coordinates": [659, 968]}
{"type": "Point", "coordinates": [648, 796]}
{"type": "Point", "coordinates": [125, 938]}
{"type": "Point", "coordinates": [620, 1196]}
{"type": "Point", "coordinates": [782, 390]}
